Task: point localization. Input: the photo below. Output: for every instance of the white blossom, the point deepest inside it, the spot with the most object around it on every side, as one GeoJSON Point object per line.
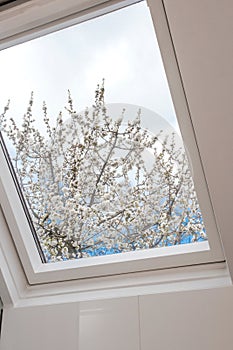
{"type": "Point", "coordinates": [88, 187]}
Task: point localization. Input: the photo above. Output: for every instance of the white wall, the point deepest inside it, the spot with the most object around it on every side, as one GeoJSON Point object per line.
{"type": "Point", "coordinates": [36, 328]}
{"type": "Point", "coordinates": [188, 321]}
{"type": "Point", "coordinates": [179, 321]}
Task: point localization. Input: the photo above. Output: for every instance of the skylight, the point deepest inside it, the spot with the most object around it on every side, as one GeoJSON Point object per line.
{"type": "Point", "coordinates": [100, 164]}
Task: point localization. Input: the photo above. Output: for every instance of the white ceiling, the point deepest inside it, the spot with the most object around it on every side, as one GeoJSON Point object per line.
{"type": "Point", "coordinates": [202, 37]}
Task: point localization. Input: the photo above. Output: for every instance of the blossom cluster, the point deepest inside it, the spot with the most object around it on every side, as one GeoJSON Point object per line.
{"type": "Point", "coordinates": [89, 189]}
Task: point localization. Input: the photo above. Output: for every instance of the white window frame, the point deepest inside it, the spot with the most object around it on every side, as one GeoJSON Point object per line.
{"type": "Point", "coordinates": [36, 18]}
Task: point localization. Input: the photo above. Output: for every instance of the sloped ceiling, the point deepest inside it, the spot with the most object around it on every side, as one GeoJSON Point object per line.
{"type": "Point", "coordinates": [5, 2]}
{"type": "Point", "coordinates": [10, 3]}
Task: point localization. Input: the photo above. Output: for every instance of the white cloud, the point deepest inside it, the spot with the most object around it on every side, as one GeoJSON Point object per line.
{"type": "Point", "coordinates": [119, 47]}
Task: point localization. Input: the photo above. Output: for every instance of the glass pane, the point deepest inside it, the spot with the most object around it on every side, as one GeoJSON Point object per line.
{"type": "Point", "coordinates": [102, 167]}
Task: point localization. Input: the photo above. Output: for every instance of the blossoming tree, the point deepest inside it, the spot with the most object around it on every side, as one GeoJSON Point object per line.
{"type": "Point", "coordinates": [89, 189]}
